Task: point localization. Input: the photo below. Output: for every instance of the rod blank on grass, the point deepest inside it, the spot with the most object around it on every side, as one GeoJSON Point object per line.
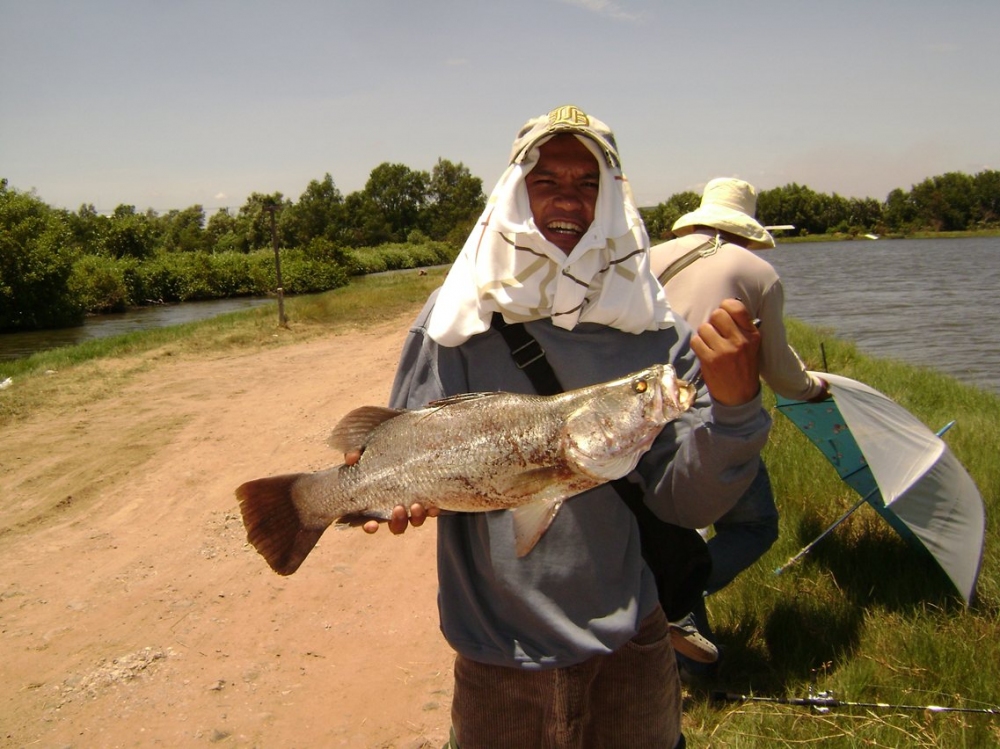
{"type": "Point", "coordinates": [824, 701]}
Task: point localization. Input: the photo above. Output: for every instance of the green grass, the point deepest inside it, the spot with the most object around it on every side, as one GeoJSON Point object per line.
{"type": "Point", "coordinates": [863, 615]}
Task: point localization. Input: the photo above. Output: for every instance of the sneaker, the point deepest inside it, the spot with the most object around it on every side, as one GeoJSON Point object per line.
{"type": "Point", "coordinates": [691, 643]}
{"type": "Point", "coordinates": [692, 673]}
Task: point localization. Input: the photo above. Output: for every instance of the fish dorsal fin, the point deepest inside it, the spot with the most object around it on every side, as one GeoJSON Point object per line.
{"type": "Point", "coordinates": [531, 521]}
{"type": "Point", "coordinates": [352, 431]}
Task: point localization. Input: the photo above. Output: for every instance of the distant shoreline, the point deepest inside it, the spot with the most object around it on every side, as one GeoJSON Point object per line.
{"type": "Point", "coordinates": [842, 237]}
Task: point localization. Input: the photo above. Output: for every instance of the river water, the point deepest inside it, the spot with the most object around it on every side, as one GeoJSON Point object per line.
{"type": "Point", "coordinates": [931, 302]}
{"type": "Point", "coordinates": [925, 301]}
{"type": "Point", "coordinates": [14, 345]}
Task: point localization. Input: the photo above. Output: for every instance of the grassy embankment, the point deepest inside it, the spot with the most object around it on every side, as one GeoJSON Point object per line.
{"type": "Point", "coordinates": [864, 614]}
{"type": "Point", "coordinates": [107, 361]}
{"type": "Point", "coordinates": [869, 617]}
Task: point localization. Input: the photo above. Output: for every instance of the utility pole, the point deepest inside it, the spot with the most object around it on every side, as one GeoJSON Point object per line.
{"type": "Point", "coordinates": [282, 320]}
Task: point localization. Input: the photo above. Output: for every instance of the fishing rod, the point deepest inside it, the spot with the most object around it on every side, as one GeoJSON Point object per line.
{"type": "Point", "coordinates": [824, 701]}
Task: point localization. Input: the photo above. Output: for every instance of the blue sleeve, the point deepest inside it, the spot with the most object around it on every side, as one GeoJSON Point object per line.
{"type": "Point", "coordinates": [426, 371]}
{"type": "Point", "coordinates": [703, 462]}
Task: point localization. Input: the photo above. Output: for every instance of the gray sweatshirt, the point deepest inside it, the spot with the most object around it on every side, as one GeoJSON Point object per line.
{"type": "Point", "coordinates": [583, 590]}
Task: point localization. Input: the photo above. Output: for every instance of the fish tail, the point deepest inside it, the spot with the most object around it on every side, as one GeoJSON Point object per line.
{"type": "Point", "coordinates": [273, 523]}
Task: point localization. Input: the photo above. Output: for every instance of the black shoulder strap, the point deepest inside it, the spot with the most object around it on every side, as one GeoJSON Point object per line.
{"type": "Point", "coordinates": [528, 355]}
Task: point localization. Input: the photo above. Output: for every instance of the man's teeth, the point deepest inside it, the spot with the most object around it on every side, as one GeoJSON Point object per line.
{"type": "Point", "coordinates": [562, 226]}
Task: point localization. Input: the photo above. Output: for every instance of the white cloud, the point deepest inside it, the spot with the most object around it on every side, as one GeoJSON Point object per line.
{"type": "Point", "coordinates": [603, 7]}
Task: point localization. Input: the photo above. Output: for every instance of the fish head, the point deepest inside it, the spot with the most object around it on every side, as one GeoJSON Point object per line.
{"type": "Point", "coordinates": [676, 395]}
{"type": "Point", "coordinates": [609, 431]}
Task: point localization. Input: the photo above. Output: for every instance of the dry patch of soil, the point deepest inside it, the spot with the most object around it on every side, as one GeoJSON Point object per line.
{"type": "Point", "coordinates": [132, 610]}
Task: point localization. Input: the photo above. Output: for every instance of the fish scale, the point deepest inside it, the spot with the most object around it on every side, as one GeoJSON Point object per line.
{"type": "Point", "coordinates": [440, 473]}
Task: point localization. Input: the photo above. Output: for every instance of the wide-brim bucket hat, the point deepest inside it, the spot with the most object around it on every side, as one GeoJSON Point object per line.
{"type": "Point", "coordinates": [565, 119]}
{"type": "Point", "coordinates": [728, 204]}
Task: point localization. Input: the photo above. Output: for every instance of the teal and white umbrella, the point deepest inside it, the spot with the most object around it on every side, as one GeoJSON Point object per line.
{"type": "Point", "coordinates": [902, 469]}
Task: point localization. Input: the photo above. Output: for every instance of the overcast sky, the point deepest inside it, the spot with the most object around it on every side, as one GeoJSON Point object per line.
{"type": "Point", "coordinates": [166, 105]}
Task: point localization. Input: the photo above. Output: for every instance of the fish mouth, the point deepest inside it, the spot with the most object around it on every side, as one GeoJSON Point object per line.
{"type": "Point", "coordinates": [685, 393]}
{"type": "Point", "coordinates": [676, 395]}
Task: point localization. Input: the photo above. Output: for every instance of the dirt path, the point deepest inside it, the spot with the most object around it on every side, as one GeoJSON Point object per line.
{"type": "Point", "coordinates": [133, 613]}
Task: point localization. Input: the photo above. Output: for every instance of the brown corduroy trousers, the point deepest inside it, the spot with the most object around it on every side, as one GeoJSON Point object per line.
{"type": "Point", "coordinates": [630, 698]}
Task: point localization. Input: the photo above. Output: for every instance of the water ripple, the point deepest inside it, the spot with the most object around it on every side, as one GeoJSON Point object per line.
{"type": "Point", "coordinates": [931, 302]}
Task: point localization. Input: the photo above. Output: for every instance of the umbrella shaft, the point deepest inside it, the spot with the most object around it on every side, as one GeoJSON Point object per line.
{"type": "Point", "coordinates": [823, 535]}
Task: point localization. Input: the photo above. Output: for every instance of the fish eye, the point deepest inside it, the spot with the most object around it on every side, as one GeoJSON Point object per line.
{"type": "Point", "coordinates": [640, 386]}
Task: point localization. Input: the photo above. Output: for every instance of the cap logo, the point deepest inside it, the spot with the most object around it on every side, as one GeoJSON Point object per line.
{"type": "Point", "coordinates": [568, 115]}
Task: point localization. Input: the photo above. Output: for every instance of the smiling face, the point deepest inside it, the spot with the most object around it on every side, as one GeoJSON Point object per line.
{"type": "Point", "coordinates": [562, 190]}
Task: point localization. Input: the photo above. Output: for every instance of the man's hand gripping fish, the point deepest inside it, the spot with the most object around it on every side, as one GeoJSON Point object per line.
{"type": "Point", "coordinates": [470, 453]}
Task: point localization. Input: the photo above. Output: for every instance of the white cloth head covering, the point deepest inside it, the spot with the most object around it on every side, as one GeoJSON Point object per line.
{"type": "Point", "coordinates": [730, 205]}
{"type": "Point", "coordinates": [508, 266]}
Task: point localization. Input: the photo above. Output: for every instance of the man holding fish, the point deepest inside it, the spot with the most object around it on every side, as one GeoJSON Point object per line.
{"type": "Point", "coordinates": [553, 613]}
{"type": "Point", "coordinates": [567, 646]}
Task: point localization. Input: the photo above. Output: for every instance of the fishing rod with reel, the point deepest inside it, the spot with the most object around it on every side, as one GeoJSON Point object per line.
{"type": "Point", "coordinates": [823, 702]}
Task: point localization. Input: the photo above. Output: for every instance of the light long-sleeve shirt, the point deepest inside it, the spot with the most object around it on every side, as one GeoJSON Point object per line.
{"type": "Point", "coordinates": [731, 271]}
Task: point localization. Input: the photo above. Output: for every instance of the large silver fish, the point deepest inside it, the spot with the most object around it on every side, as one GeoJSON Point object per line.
{"type": "Point", "coordinates": [470, 453]}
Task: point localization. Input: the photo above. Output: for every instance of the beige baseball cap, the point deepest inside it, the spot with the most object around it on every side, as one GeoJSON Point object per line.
{"type": "Point", "coordinates": [566, 119]}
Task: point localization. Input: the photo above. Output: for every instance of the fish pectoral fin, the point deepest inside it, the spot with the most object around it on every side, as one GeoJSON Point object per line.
{"type": "Point", "coordinates": [531, 521]}
{"type": "Point", "coordinates": [352, 431]}
{"type": "Point", "coordinates": [538, 483]}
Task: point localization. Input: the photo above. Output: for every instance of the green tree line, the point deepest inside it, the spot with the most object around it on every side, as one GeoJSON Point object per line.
{"type": "Point", "coordinates": [951, 202]}
{"type": "Point", "coordinates": [57, 265]}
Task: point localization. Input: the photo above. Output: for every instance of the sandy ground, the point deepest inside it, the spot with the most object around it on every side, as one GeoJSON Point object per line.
{"type": "Point", "coordinates": [134, 613]}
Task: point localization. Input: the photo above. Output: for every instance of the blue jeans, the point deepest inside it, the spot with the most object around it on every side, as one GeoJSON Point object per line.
{"type": "Point", "coordinates": [743, 534]}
